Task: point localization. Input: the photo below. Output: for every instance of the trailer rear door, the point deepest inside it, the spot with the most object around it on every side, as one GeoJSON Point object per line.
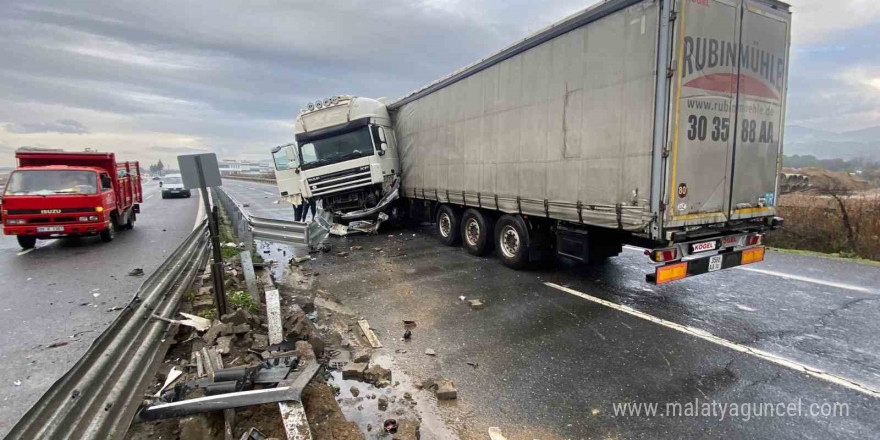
{"type": "Point", "coordinates": [762, 84]}
{"type": "Point", "coordinates": [731, 69]}
{"type": "Point", "coordinates": [703, 125]}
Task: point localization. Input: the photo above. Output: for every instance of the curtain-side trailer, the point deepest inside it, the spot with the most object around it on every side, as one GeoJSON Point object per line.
{"type": "Point", "coordinates": [651, 122]}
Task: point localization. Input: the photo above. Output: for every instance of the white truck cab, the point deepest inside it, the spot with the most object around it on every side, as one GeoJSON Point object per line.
{"type": "Point", "coordinates": [345, 154]}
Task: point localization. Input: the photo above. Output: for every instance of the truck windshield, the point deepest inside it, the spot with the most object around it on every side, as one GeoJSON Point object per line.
{"type": "Point", "coordinates": [49, 182]}
{"type": "Point", "coordinates": [337, 148]}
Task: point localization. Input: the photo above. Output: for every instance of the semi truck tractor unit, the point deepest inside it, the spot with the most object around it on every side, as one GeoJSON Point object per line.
{"type": "Point", "coordinates": [343, 155]}
{"type": "Point", "coordinates": [59, 193]}
{"type": "Point", "coordinates": [655, 123]}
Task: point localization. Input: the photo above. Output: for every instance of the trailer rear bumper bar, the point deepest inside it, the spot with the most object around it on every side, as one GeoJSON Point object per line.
{"type": "Point", "coordinates": [711, 263]}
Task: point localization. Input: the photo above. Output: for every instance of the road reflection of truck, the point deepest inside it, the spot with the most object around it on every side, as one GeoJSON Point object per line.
{"type": "Point", "coordinates": [57, 193]}
{"type": "Point", "coordinates": [656, 123]}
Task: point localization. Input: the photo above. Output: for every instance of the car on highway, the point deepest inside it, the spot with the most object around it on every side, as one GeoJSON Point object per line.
{"type": "Point", "coordinates": [172, 186]}
{"type": "Point", "coordinates": [157, 178]}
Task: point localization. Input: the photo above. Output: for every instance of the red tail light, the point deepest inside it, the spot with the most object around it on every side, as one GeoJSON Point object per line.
{"type": "Point", "coordinates": [755, 239]}
{"type": "Point", "coordinates": [664, 255]}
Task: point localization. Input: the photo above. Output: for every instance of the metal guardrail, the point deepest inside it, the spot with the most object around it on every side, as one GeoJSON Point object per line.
{"type": "Point", "coordinates": [251, 179]}
{"type": "Point", "coordinates": [99, 396]}
{"type": "Point", "coordinates": [282, 231]}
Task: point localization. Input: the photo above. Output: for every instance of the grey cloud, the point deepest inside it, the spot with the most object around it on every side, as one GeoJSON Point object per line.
{"type": "Point", "coordinates": [233, 76]}
{"type": "Point", "coordinates": [176, 150]}
{"type": "Point", "coordinates": [60, 126]}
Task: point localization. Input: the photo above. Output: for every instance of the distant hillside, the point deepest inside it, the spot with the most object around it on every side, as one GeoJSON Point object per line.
{"type": "Point", "coordinates": [864, 143]}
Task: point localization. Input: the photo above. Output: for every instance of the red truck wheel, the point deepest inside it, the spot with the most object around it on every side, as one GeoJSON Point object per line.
{"type": "Point", "coordinates": [109, 234]}
{"type": "Point", "coordinates": [26, 242]}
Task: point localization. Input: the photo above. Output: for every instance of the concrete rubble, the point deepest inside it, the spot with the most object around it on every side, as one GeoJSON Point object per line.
{"type": "Point", "coordinates": [337, 408]}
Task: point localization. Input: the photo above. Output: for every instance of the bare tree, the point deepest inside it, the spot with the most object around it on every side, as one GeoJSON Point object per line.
{"type": "Point", "coordinates": [841, 193]}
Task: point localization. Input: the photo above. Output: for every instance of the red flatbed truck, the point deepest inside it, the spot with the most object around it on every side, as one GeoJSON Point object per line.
{"type": "Point", "coordinates": [56, 193]}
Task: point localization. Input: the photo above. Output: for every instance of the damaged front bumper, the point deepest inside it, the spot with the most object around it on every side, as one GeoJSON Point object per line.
{"type": "Point", "coordinates": [386, 200]}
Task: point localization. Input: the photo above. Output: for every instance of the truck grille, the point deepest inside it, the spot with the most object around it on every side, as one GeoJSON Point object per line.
{"type": "Point", "coordinates": [340, 181]}
{"type": "Point", "coordinates": [46, 220]}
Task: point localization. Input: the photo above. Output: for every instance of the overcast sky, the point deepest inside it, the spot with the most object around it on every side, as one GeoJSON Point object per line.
{"type": "Point", "coordinates": [152, 79]}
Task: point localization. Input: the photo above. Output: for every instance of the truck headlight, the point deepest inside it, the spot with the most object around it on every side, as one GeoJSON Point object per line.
{"type": "Point", "coordinates": [88, 218]}
{"type": "Point", "coordinates": [16, 221]}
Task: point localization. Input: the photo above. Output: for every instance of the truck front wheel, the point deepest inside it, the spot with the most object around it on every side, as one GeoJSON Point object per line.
{"type": "Point", "coordinates": [477, 232]}
{"type": "Point", "coordinates": [512, 241]}
{"type": "Point", "coordinates": [26, 241]}
{"type": "Point", "coordinates": [107, 235]}
{"type": "Point", "coordinates": [447, 226]}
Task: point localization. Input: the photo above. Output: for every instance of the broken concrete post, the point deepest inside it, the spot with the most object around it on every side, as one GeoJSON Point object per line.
{"type": "Point", "coordinates": [238, 317]}
{"type": "Point", "coordinates": [353, 370]}
{"type": "Point", "coordinates": [225, 343]}
{"type": "Point", "coordinates": [250, 277]}
{"type": "Point", "coordinates": [445, 389]}
{"type": "Point", "coordinates": [376, 373]}
{"type": "Point", "coordinates": [217, 329]}
{"type": "Point", "coordinates": [361, 355]}
{"type": "Point", "coordinates": [273, 312]}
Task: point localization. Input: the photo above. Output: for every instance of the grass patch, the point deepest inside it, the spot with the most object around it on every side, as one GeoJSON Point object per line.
{"type": "Point", "coordinates": [190, 296]}
{"type": "Point", "coordinates": [228, 252]}
{"type": "Point", "coordinates": [209, 313]}
{"type": "Point", "coordinates": [243, 300]}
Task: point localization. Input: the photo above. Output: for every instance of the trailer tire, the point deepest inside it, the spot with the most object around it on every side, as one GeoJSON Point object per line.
{"type": "Point", "coordinates": [26, 241]}
{"type": "Point", "coordinates": [129, 223]}
{"type": "Point", "coordinates": [448, 226]}
{"type": "Point", "coordinates": [477, 232]}
{"type": "Point", "coordinates": [512, 241]}
{"type": "Point", "coordinates": [107, 235]}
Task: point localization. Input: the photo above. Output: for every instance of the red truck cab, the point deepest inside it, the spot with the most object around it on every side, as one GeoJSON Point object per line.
{"type": "Point", "coordinates": [57, 193]}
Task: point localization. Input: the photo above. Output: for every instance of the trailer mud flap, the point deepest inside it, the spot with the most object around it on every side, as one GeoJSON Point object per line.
{"type": "Point", "coordinates": [698, 266]}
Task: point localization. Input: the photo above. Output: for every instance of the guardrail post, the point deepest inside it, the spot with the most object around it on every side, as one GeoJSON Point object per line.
{"type": "Point", "coordinates": [247, 265]}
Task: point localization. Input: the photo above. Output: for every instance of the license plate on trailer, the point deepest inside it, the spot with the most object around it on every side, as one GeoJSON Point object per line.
{"type": "Point", "coordinates": [704, 246]}
{"type": "Point", "coordinates": [715, 263]}
{"type": "Point", "coordinates": [50, 229]}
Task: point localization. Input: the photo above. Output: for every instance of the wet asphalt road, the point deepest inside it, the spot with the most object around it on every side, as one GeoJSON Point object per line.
{"type": "Point", "coordinates": [552, 365]}
{"type": "Point", "coordinates": [49, 295]}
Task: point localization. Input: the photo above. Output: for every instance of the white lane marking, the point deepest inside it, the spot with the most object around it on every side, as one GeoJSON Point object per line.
{"type": "Point", "coordinates": [808, 280]}
{"type": "Point", "coordinates": [706, 336]}
{"type": "Point", "coordinates": [791, 276]}
{"type": "Point", "coordinates": [27, 251]}
{"type": "Point", "coordinates": [149, 196]}
{"type": "Point", "coordinates": [200, 215]}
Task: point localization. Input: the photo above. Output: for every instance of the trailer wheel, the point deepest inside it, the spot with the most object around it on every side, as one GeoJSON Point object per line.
{"type": "Point", "coordinates": [107, 235]}
{"type": "Point", "coordinates": [512, 241]}
{"type": "Point", "coordinates": [26, 241]}
{"type": "Point", "coordinates": [447, 226]}
{"type": "Point", "coordinates": [129, 223]}
{"type": "Point", "coordinates": [477, 232]}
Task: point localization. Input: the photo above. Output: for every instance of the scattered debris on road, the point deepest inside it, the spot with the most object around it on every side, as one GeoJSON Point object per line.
{"type": "Point", "coordinates": [476, 304]}
{"type": "Point", "coordinates": [368, 333]}
{"type": "Point", "coordinates": [495, 434]}
{"type": "Point", "coordinates": [136, 272]}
